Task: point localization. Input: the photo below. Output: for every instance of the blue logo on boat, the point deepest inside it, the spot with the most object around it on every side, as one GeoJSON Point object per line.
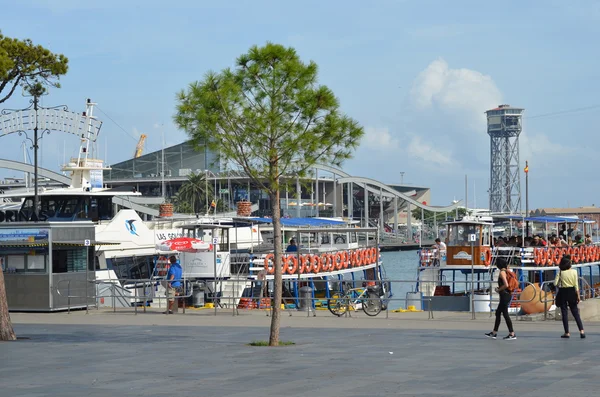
{"type": "Point", "coordinates": [130, 226]}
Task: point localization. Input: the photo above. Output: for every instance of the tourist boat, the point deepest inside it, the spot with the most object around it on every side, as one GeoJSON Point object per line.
{"type": "Point", "coordinates": [464, 277]}
{"type": "Point", "coordinates": [332, 256]}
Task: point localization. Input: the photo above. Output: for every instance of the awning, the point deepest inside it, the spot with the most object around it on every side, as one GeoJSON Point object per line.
{"type": "Point", "coordinates": [545, 219]}
{"type": "Point", "coordinates": [83, 243]}
{"type": "Point", "coordinates": [23, 244]}
{"type": "Point", "coordinates": [302, 222]}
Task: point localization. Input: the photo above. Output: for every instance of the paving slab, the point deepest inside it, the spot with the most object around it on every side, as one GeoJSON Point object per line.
{"type": "Point", "coordinates": [199, 354]}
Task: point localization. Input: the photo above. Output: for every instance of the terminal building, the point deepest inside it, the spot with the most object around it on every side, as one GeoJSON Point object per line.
{"type": "Point", "coordinates": [164, 172]}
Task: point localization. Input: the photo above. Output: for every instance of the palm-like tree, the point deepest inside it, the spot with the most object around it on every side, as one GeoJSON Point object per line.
{"type": "Point", "coordinates": [193, 193]}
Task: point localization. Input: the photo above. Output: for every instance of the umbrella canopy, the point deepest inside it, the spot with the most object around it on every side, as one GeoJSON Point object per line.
{"type": "Point", "coordinates": [184, 244]}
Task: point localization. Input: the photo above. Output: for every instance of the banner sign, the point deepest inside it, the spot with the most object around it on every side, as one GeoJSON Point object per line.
{"type": "Point", "coordinates": [20, 235]}
{"type": "Point", "coordinates": [48, 119]}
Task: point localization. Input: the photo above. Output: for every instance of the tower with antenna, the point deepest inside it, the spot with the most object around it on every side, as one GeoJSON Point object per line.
{"type": "Point", "coordinates": [504, 127]}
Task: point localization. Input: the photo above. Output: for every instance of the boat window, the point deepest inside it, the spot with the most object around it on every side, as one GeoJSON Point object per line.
{"type": "Point", "coordinates": [49, 207]}
{"type": "Point", "coordinates": [105, 208]}
{"type": "Point", "coordinates": [486, 235]}
{"type": "Point", "coordinates": [27, 207]}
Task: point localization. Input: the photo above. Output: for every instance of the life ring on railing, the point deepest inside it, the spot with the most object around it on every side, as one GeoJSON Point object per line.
{"type": "Point", "coordinates": [304, 263]}
{"type": "Point", "coordinates": [337, 261]}
{"type": "Point", "coordinates": [537, 257]}
{"type": "Point", "coordinates": [582, 254]}
{"type": "Point", "coordinates": [270, 269]}
{"type": "Point", "coordinates": [550, 257]}
{"type": "Point", "coordinates": [315, 264]}
{"type": "Point", "coordinates": [596, 254]}
{"type": "Point", "coordinates": [488, 258]}
{"type": "Point", "coordinates": [575, 256]}
{"type": "Point", "coordinates": [374, 255]}
{"type": "Point", "coordinates": [344, 255]}
{"type": "Point", "coordinates": [557, 256]}
{"type": "Point", "coordinates": [290, 269]}
{"type": "Point", "coordinates": [359, 258]}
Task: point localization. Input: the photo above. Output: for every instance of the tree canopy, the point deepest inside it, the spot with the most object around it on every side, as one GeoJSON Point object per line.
{"type": "Point", "coordinates": [24, 63]}
{"type": "Point", "coordinates": [269, 117]}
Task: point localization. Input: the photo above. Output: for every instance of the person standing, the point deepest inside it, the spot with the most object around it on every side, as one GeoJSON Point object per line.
{"type": "Point", "coordinates": [292, 247]}
{"type": "Point", "coordinates": [567, 282]}
{"type": "Point", "coordinates": [173, 282]}
{"type": "Point", "coordinates": [440, 251]}
{"type": "Point", "coordinates": [505, 296]}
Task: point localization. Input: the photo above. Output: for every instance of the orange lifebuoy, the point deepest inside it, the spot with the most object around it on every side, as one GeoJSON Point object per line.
{"type": "Point", "coordinates": [344, 259]}
{"type": "Point", "coordinates": [304, 264]}
{"type": "Point", "coordinates": [270, 269]}
{"type": "Point", "coordinates": [582, 253]}
{"type": "Point", "coordinates": [550, 259]}
{"type": "Point", "coordinates": [290, 269]}
{"type": "Point", "coordinates": [360, 258]}
{"type": "Point", "coordinates": [488, 257]}
{"type": "Point", "coordinates": [557, 256]}
{"type": "Point", "coordinates": [373, 255]}
{"type": "Point", "coordinates": [575, 256]}
{"type": "Point", "coordinates": [536, 256]}
{"type": "Point", "coordinates": [337, 261]}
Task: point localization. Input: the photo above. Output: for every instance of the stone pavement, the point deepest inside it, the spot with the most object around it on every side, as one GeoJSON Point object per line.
{"type": "Point", "coordinates": [199, 354]}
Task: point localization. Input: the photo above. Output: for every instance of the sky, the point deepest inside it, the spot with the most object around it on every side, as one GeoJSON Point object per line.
{"type": "Point", "coordinates": [418, 75]}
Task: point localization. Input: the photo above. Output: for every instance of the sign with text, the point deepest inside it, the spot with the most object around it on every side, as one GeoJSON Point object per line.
{"type": "Point", "coordinates": [20, 235]}
{"type": "Point", "coordinates": [48, 119]}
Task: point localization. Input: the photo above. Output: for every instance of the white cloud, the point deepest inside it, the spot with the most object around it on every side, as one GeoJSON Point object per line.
{"type": "Point", "coordinates": [426, 152]}
{"type": "Point", "coordinates": [464, 91]}
{"type": "Point", "coordinates": [539, 150]}
{"type": "Point", "coordinates": [380, 139]}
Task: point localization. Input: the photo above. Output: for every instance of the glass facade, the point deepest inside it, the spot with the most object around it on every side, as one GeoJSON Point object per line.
{"type": "Point", "coordinates": [179, 161]}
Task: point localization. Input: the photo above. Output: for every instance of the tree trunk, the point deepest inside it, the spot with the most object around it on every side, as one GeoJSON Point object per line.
{"type": "Point", "coordinates": [278, 282]}
{"type": "Point", "coordinates": [6, 329]}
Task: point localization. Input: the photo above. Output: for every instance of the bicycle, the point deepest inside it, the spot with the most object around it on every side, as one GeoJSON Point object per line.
{"type": "Point", "coordinates": [367, 297]}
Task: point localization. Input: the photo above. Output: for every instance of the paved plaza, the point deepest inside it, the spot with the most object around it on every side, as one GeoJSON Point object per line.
{"type": "Point", "coordinates": [200, 354]}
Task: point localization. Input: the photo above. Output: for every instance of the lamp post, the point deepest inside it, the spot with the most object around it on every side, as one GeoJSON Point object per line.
{"type": "Point", "coordinates": [526, 196]}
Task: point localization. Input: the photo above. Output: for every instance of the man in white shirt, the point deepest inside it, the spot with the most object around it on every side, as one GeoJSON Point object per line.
{"type": "Point", "coordinates": [440, 248]}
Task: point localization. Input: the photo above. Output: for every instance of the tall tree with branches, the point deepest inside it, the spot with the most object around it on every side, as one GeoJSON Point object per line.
{"type": "Point", "coordinates": [33, 67]}
{"type": "Point", "coordinates": [23, 63]}
{"type": "Point", "coordinates": [269, 117]}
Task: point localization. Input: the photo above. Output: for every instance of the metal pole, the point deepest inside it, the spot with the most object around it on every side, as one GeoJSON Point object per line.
{"type": "Point", "coordinates": [36, 198]}
{"type": "Point", "coordinates": [422, 225]}
{"type": "Point", "coordinates": [317, 190]}
{"type": "Point", "coordinates": [215, 269]}
{"type": "Point", "coordinates": [298, 196]}
{"type": "Point", "coordinates": [334, 196]}
{"type": "Point", "coordinates": [472, 282]}
{"type": "Point", "coordinates": [527, 194]}
{"type": "Point", "coordinates": [206, 189]}
{"type": "Point", "coordinates": [366, 205]}
{"type": "Point", "coordinates": [381, 228]}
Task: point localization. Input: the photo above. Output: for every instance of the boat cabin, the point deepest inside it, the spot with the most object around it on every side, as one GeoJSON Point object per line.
{"type": "Point", "coordinates": [469, 242]}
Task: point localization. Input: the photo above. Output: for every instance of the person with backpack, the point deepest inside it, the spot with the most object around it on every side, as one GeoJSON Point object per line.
{"type": "Point", "coordinates": [567, 282]}
{"type": "Point", "coordinates": [507, 283]}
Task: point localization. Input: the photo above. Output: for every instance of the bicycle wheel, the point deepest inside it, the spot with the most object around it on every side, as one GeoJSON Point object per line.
{"type": "Point", "coordinates": [338, 304]}
{"type": "Point", "coordinates": [372, 305]}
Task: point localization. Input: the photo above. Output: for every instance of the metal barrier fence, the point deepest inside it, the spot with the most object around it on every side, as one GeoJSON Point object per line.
{"type": "Point", "coordinates": [301, 303]}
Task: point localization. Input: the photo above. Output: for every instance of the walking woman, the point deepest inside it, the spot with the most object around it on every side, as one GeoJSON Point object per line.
{"type": "Point", "coordinates": [567, 282]}
{"type": "Point", "coordinates": [505, 295]}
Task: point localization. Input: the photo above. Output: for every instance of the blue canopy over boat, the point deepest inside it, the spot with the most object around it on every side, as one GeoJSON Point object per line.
{"type": "Point", "coordinates": [302, 222]}
{"type": "Point", "coordinates": [545, 219]}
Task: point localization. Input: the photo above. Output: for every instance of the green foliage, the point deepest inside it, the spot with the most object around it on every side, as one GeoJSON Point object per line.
{"type": "Point", "coordinates": [29, 65]}
{"type": "Point", "coordinates": [430, 216]}
{"type": "Point", "coordinates": [268, 116]}
{"type": "Point", "coordinates": [266, 343]}
{"type": "Point", "coordinates": [191, 197]}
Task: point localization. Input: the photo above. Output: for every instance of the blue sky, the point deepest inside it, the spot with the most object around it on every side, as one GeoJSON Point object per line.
{"type": "Point", "coordinates": [418, 75]}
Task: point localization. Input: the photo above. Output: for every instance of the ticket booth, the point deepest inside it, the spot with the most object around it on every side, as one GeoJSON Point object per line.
{"type": "Point", "coordinates": [48, 266]}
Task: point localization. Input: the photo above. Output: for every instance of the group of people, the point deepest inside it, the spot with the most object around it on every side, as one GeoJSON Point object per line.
{"type": "Point", "coordinates": [539, 241]}
{"type": "Point", "coordinates": [567, 297]}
